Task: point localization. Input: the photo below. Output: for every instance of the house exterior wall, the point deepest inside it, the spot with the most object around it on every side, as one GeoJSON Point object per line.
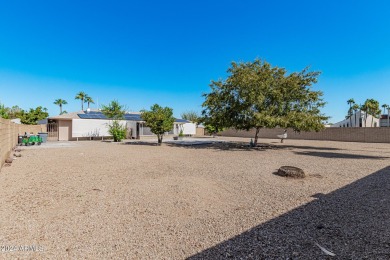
{"type": "Point", "coordinates": [131, 129]}
{"type": "Point", "coordinates": [91, 127]}
{"type": "Point", "coordinates": [189, 129]}
{"type": "Point", "coordinates": [64, 130]}
{"type": "Point", "coordinates": [360, 118]}
{"type": "Point", "coordinates": [384, 122]}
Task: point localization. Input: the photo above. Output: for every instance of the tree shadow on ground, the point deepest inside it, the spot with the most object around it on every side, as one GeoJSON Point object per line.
{"type": "Point", "coordinates": [141, 143]}
{"type": "Point", "coordinates": [223, 146]}
{"type": "Point", "coordinates": [352, 222]}
{"type": "Point", "coordinates": [340, 155]}
{"type": "Point", "coordinates": [305, 147]}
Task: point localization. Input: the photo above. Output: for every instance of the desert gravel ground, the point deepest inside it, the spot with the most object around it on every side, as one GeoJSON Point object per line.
{"type": "Point", "coordinates": [102, 200]}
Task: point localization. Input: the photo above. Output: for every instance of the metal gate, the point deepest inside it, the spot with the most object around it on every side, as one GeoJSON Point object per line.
{"type": "Point", "coordinates": [52, 130]}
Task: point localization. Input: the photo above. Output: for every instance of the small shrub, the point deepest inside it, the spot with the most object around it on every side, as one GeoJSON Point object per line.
{"type": "Point", "coordinates": [117, 131]}
{"type": "Point", "coordinates": [181, 133]}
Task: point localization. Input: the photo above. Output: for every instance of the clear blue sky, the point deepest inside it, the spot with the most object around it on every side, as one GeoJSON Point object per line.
{"type": "Point", "coordinates": [166, 52]}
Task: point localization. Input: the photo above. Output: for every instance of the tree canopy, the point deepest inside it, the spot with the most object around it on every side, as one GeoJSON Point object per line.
{"type": "Point", "coordinates": [33, 115]}
{"type": "Point", "coordinates": [257, 95]}
{"type": "Point", "coordinates": [371, 107]}
{"type": "Point", "coordinates": [159, 119]}
{"type": "Point", "coordinates": [116, 112]}
{"type": "Point", "coordinates": [81, 95]}
{"type": "Point", "coordinates": [191, 115]}
{"type": "Point", "coordinates": [60, 102]}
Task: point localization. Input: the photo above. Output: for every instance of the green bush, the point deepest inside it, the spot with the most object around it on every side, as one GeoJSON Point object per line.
{"type": "Point", "coordinates": [181, 133]}
{"type": "Point", "coordinates": [117, 131]}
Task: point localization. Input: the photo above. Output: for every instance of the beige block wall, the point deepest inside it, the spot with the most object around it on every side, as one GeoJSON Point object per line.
{"type": "Point", "coordinates": [344, 134]}
{"type": "Point", "coordinates": [9, 136]}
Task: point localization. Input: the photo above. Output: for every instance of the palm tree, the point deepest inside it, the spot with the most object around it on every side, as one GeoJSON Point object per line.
{"type": "Point", "coordinates": [355, 108]}
{"type": "Point", "coordinates": [384, 108]}
{"type": "Point", "coordinates": [350, 102]}
{"type": "Point", "coordinates": [372, 108]}
{"type": "Point", "coordinates": [376, 110]}
{"type": "Point", "coordinates": [60, 102]}
{"type": "Point", "coordinates": [81, 95]}
{"type": "Point", "coordinates": [89, 100]}
{"type": "Point", "coordinates": [364, 108]}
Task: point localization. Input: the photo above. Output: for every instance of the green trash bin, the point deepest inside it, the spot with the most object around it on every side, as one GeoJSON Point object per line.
{"type": "Point", "coordinates": [43, 136]}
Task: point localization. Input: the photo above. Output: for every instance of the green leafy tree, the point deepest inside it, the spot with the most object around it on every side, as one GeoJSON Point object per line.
{"type": "Point", "coordinates": [81, 95]}
{"type": "Point", "coordinates": [33, 115]}
{"type": "Point", "coordinates": [117, 130]}
{"type": "Point", "coordinates": [89, 100]}
{"type": "Point", "coordinates": [257, 95]}
{"type": "Point", "coordinates": [15, 112]}
{"type": "Point", "coordinates": [191, 115]}
{"type": "Point", "coordinates": [60, 102]}
{"type": "Point", "coordinates": [115, 112]}
{"type": "Point", "coordinates": [350, 102]}
{"type": "Point", "coordinates": [159, 120]}
{"type": "Point", "coordinates": [4, 111]}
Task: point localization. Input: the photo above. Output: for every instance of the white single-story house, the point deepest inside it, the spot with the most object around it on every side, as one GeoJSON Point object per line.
{"type": "Point", "coordinates": [359, 119]}
{"type": "Point", "coordinates": [94, 124]}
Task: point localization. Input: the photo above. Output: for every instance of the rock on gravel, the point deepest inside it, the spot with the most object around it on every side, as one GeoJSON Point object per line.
{"type": "Point", "coordinates": [291, 171]}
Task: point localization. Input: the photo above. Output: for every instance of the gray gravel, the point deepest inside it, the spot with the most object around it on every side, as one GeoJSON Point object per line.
{"type": "Point", "coordinates": [100, 200]}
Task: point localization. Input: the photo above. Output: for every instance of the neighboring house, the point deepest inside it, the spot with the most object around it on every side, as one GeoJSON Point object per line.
{"type": "Point", "coordinates": [384, 121]}
{"type": "Point", "coordinates": [16, 121]}
{"type": "Point", "coordinates": [362, 120]}
{"type": "Point", "coordinates": [94, 124]}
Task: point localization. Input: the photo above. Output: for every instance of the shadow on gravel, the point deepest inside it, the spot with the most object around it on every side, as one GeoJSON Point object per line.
{"type": "Point", "coordinates": [224, 146]}
{"type": "Point", "coordinates": [310, 147]}
{"type": "Point", "coordinates": [341, 155]}
{"type": "Point", "coordinates": [352, 222]}
{"type": "Point", "coordinates": [141, 143]}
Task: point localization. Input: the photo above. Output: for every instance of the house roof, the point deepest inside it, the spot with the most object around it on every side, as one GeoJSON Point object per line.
{"type": "Point", "coordinates": [95, 114]}
{"type": "Point", "coordinates": [68, 116]}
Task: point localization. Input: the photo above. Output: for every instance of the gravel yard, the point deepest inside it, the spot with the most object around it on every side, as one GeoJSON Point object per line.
{"type": "Point", "coordinates": [101, 200]}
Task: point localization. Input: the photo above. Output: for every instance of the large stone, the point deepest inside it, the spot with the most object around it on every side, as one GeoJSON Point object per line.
{"type": "Point", "coordinates": [8, 160]}
{"type": "Point", "coordinates": [291, 171]}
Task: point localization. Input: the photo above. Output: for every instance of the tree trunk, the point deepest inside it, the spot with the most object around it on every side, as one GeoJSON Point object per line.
{"type": "Point", "coordinates": [159, 139]}
{"type": "Point", "coordinates": [365, 119]}
{"type": "Point", "coordinates": [82, 105]}
{"type": "Point", "coordinates": [256, 136]}
{"type": "Point", "coordinates": [350, 116]}
{"type": "Point", "coordinates": [60, 109]}
{"type": "Point", "coordinates": [355, 118]}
